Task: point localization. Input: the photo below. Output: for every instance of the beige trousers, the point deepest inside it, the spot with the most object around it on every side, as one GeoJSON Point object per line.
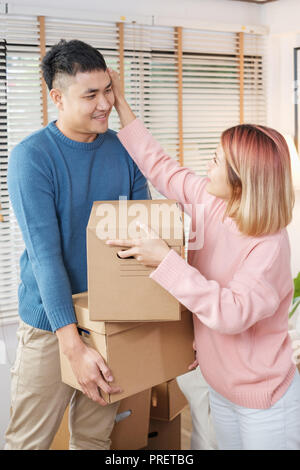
{"type": "Point", "coordinates": [39, 399]}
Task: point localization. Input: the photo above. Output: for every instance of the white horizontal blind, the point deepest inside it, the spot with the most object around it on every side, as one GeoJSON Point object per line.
{"type": "Point", "coordinates": [255, 71]}
{"type": "Point", "coordinates": [210, 93]}
{"type": "Point", "coordinates": [5, 285]}
{"type": "Point", "coordinates": [151, 83]}
{"type": "Point", "coordinates": [103, 36]}
{"type": "Point", "coordinates": [137, 68]}
{"type": "Point", "coordinates": [22, 99]}
{"type": "Point", "coordinates": [211, 90]}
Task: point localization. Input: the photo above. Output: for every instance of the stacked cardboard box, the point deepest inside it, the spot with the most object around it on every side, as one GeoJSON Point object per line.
{"type": "Point", "coordinates": [129, 319]}
{"type": "Point", "coordinates": [135, 428]}
{"type": "Point", "coordinates": [167, 404]}
{"type": "Point", "coordinates": [132, 422]}
{"type": "Point", "coordinates": [167, 401]}
{"type": "Point", "coordinates": [131, 425]}
{"type": "Point", "coordinates": [140, 355]}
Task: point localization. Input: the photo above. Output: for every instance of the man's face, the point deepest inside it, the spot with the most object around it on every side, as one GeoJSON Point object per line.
{"type": "Point", "coordinates": [86, 102]}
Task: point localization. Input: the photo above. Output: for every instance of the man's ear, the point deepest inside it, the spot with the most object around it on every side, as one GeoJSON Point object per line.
{"type": "Point", "coordinates": [56, 96]}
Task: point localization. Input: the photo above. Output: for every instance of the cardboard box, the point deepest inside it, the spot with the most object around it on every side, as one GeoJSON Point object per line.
{"type": "Point", "coordinates": [130, 431]}
{"type": "Point", "coordinates": [120, 289]}
{"type": "Point", "coordinates": [164, 435]}
{"type": "Point", "coordinates": [132, 422]}
{"type": "Point", "coordinates": [167, 401]}
{"type": "Point", "coordinates": [140, 355]}
{"type": "Point", "coordinates": [62, 437]}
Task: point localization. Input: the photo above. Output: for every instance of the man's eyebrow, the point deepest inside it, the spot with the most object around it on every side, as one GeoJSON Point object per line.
{"type": "Point", "coordinates": [90, 90]}
{"type": "Point", "coordinates": [109, 85]}
{"type": "Point", "coordinates": [95, 90]}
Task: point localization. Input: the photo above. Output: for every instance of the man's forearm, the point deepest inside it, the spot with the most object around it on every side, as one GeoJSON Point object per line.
{"type": "Point", "coordinates": [69, 339]}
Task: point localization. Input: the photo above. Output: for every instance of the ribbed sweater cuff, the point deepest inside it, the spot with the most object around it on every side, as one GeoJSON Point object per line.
{"type": "Point", "coordinates": [61, 316]}
{"type": "Point", "coordinates": [169, 270]}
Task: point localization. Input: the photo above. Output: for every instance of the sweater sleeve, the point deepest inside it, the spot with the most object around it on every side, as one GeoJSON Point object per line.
{"type": "Point", "coordinates": [254, 293]}
{"type": "Point", "coordinates": [168, 177]}
{"type": "Point", "coordinates": [140, 189]}
{"type": "Point", "coordinates": [33, 201]}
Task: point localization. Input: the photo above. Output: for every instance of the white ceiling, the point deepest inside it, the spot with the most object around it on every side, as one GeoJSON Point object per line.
{"type": "Point", "coordinates": [255, 1]}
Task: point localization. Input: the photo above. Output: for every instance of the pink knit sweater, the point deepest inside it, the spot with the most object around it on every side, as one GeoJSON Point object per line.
{"type": "Point", "coordinates": [239, 288]}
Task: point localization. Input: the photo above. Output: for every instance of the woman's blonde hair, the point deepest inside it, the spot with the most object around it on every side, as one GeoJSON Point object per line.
{"type": "Point", "coordinates": [259, 172]}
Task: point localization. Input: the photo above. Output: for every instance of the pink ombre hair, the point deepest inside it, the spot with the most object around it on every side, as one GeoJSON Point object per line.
{"type": "Point", "coordinates": [259, 172]}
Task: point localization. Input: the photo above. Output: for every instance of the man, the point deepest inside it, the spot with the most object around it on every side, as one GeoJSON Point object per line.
{"type": "Point", "coordinates": [54, 176]}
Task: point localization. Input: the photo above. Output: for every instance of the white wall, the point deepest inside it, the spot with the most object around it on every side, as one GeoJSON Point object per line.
{"type": "Point", "coordinates": [282, 17]}
{"type": "Point", "coordinates": [217, 11]}
{"type": "Point", "coordinates": [283, 20]}
{"type": "Point", "coordinates": [294, 234]}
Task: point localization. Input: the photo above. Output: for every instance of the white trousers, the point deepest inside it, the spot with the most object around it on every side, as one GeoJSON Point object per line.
{"type": "Point", "coordinates": [274, 428]}
{"type": "Point", "coordinates": [195, 388]}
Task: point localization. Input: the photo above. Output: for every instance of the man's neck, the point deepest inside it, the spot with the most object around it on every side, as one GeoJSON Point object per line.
{"type": "Point", "coordinates": [74, 134]}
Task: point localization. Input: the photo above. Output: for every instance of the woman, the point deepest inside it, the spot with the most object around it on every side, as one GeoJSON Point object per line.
{"type": "Point", "coordinates": [238, 285]}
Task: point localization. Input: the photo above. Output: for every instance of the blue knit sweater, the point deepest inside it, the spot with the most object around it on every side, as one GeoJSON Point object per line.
{"type": "Point", "coordinates": [52, 183]}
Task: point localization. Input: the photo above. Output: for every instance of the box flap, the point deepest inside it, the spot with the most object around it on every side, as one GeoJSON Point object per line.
{"type": "Point", "coordinates": [177, 400]}
{"type": "Point", "coordinates": [117, 219]}
{"type": "Point", "coordinates": [80, 302]}
{"type": "Point", "coordinates": [167, 400]}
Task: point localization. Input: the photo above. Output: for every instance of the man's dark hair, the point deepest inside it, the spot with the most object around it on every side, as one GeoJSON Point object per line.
{"type": "Point", "coordinates": [70, 57]}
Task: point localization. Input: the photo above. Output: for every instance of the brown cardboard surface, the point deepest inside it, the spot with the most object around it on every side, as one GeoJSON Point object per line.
{"type": "Point", "coordinates": [164, 435]}
{"type": "Point", "coordinates": [139, 357]}
{"type": "Point", "coordinates": [131, 433]}
{"type": "Point", "coordinates": [62, 437]}
{"type": "Point", "coordinates": [80, 302]}
{"type": "Point", "coordinates": [121, 289]}
{"type": "Point", "coordinates": [167, 401]}
{"type": "Point", "coordinates": [177, 400]}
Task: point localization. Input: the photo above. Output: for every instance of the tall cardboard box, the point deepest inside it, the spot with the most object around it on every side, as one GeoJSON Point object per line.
{"type": "Point", "coordinates": [167, 401]}
{"type": "Point", "coordinates": [131, 428]}
{"type": "Point", "coordinates": [120, 289]}
{"type": "Point", "coordinates": [140, 355]}
{"type": "Point", "coordinates": [62, 437]}
{"type": "Point", "coordinates": [132, 422]}
{"type": "Point", "coordinates": [164, 435]}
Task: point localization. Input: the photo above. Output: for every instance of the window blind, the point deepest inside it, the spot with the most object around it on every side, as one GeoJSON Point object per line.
{"type": "Point", "coordinates": [211, 90]}
{"type": "Point", "coordinates": [255, 71]}
{"type": "Point", "coordinates": [151, 82]}
{"type": "Point", "coordinates": [5, 239]}
{"type": "Point", "coordinates": [21, 110]}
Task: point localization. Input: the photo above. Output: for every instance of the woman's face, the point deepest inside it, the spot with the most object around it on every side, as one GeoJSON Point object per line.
{"type": "Point", "coordinates": [218, 184]}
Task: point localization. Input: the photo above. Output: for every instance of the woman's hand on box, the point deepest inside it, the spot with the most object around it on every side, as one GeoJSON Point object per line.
{"type": "Point", "coordinates": [149, 250]}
